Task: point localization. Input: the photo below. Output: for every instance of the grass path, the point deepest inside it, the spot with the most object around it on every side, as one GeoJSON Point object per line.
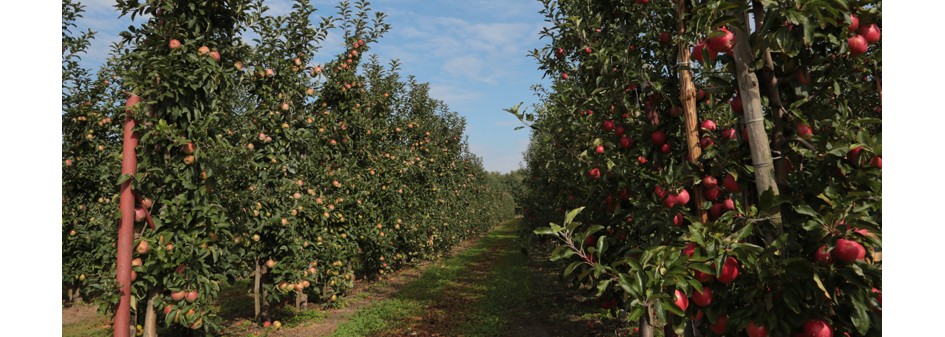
{"type": "Point", "coordinates": [487, 287]}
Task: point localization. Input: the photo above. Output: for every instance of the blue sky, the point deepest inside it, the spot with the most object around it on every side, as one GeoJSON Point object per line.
{"type": "Point", "coordinates": [472, 52]}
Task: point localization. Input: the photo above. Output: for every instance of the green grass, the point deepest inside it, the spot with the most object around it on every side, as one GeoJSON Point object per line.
{"type": "Point", "coordinates": [92, 328]}
{"type": "Point", "coordinates": [429, 287]}
{"type": "Point", "coordinates": [506, 291]}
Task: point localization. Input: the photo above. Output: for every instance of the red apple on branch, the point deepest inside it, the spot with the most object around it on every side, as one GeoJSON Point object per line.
{"type": "Point", "coordinates": [817, 328]}
{"type": "Point", "coordinates": [681, 300]}
{"type": "Point", "coordinates": [703, 298]}
{"type": "Point", "coordinates": [858, 45]}
{"type": "Point", "coordinates": [754, 330]}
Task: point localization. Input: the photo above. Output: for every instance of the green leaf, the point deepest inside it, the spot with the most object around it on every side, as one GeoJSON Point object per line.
{"type": "Point", "coordinates": [125, 177]}
{"type": "Point", "coordinates": [806, 210]}
{"type": "Point", "coordinates": [859, 317]}
{"type": "Point", "coordinates": [571, 267]}
{"type": "Point", "coordinates": [602, 286]}
{"type": "Point", "coordinates": [568, 218]}
{"type": "Point", "coordinates": [821, 285]}
{"type": "Point", "coordinates": [544, 231]}
{"type": "Point", "coordinates": [635, 313]}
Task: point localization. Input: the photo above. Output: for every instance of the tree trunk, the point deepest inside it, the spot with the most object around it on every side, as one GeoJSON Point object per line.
{"type": "Point", "coordinates": [753, 119]}
{"type": "Point", "coordinates": [150, 317]}
{"type": "Point", "coordinates": [256, 285]}
{"type": "Point", "coordinates": [646, 322]}
{"type": "Point", "coordinates": [687, 96]}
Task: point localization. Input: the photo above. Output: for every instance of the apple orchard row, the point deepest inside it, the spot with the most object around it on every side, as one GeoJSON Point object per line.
{"type": "Point", "coordinates": [661, 201]}
{"type": "Point", "coordinates": [254, 162]}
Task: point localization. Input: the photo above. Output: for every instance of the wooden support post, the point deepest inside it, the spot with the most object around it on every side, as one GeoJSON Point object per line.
{"type": "Point", "coordinates": [687, 96]}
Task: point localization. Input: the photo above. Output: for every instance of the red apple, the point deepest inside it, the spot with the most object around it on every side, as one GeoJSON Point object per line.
{"type": "Point", "coordinates": [720, 324]}
{"type": "Point", "coordinates": [848, 250]}
{"type": "Point", "coordinates": [670, 201]}
{"type": "Point", "coordinates": [682, 198]}
{"type": "Point", "coordinates": [854, 23]}
{"type": "Point", "coordinates": [703, 298]}
{"type": "Point", "coordinates": [705, 142]}
{"type": "Point", "coordinates": [728, 204]}
{"type": "Point", "coordinates": [703, 277]}
{"type": "Point", "coordinates": [678, 219]}
{"type": "Point", "coordinates": [664, 148]}
{"type": "Point", "coordinates": [697, 317]}
{"type": "Point", "coordinates": [174, 44]}
{"type": "Point", "coordinates": [722, 40]}
{"type": "Point", "coordinates": [697, 52]}
{"type": "Point", "coordinates": [736, 104]}
{"type": "Point", "coordinates": [641, 160]}
{"type": "Point", "coordinates": [755, 330]}
{"type": "Point", "coordinates": [559, 52]}
{"type": "Point", "coordinates": [700, 95]}
{"type": "Point", "coordinates": [690, 249]}
{"type": "Point", "coordinates": [666, 38]}
{"type": "Point", "coordinates": [203, 50]}
{"type": "Point", "coordinates": [728, 133]}
{"type": "Point", "coordinates": [870, 33]}
{"type": "Point", "coordinates": [729, 270]}
{"type": "Point", "coordinates": [178, 295]}
{"type": "Point", "coordinates": [139, 214]}
{"type": "Point", "coordinates": [564, 76]}
{"type": "Point", "coordinates": [708, 125]}
{"type": "Point", "coordinates": [803, 77]}
{"type": "Point", "coordinates": [588, 50]}
{"type": "Point", "coordinates": [143, 247]}
{"type": "Point", "coordinates": [853, 156]}
{"type": "Point", "coordinates": [877, 162]}
{"type": "Point", "coordinates": [804, 131]}
{"type": "Point", "coordinates": [709, 182]}
{"type": "Point", "coordinates": [681, 300]}
{"type": "Point", "coordinates": [188, 148]}
{"type": "Point", "coordinates": [730, 184]}
{"type": "Point", "coordinates": [712, 193]}
{"type": "Point", "coordinates": [659, 192]}
{"type": "Point", "coordinates": [619, 131]}
{"type": "Point", "coordinates": [675, 111]}
{"type": "Point", "coordinates": [858, 45]}
{"type": "Point", "coordinates": [599, 149]}
{"type": "Point", "coordinates": [658, 137]}
{"type": "Point", "coordinates": [822, 254]}
{"type": "Point", "coordinates": [716, 210]}
{"type": "Point", "coordinates": [167, 309]}
{"type": "Point", "coordinates": [594, 173]}
{"type": "Point", "coordinates": [817, 328]}
{"type": "Point", "coordinates": [626, 142]}
{"type": "Point", "coordinates": [608, 125]}
{"type": "Point", "coordinates": [215, 55]}
{"type": "Point", "coordinates": [191, 296]}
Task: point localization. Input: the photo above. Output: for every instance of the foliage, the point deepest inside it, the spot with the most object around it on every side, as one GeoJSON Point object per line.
{"type": "Point", "coordinates": [251, 152]}
{"type": "Point", "coordinates": [622, 91]}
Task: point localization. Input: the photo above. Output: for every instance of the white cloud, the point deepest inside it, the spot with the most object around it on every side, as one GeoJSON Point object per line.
{"type": "Point", "coordinates": [452, 94]}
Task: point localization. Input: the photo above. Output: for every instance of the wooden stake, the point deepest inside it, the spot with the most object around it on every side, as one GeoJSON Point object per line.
{"type": "Point", "coordinates": [687, 96]}
{"type": "Point", "coordinates": [753, 118]}
{"type": "Point", "coordinates": [126, 203]}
